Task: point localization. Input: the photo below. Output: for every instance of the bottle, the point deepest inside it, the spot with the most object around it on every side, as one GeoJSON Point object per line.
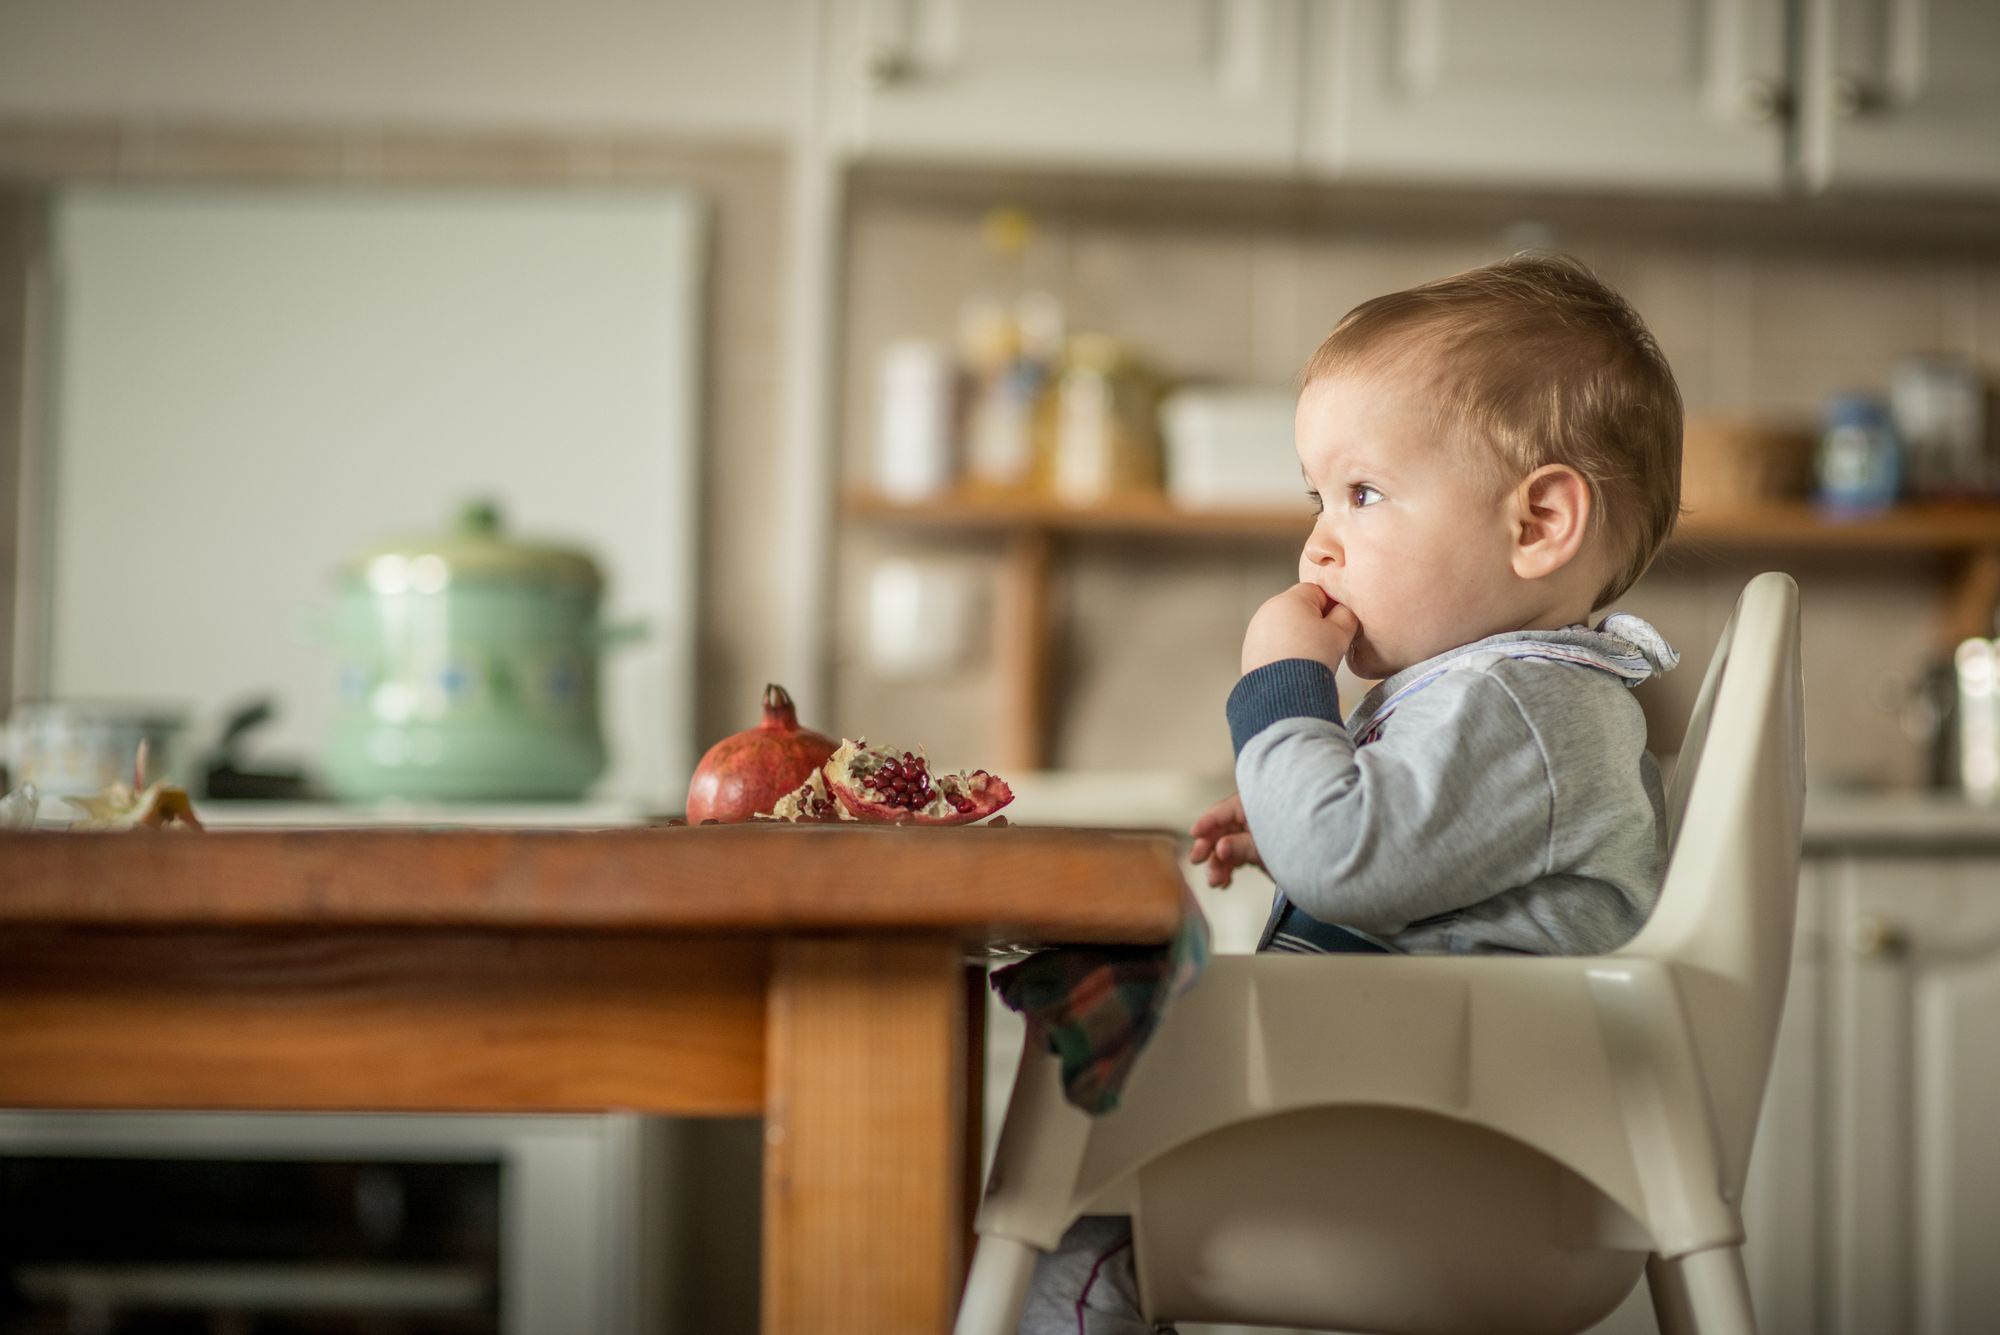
{"type": "Point", "coordinates": [1858, 462]}
{"type": "Point", "coordinates": [1002, 390]}
{"type": "Point", "coordinates": [1010, 336]}
{"type": "Point", "coordinates": [1977, 663]}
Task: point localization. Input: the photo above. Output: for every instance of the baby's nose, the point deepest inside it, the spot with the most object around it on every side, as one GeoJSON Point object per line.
{"type": "Point", "coordinates": [1321, 550]}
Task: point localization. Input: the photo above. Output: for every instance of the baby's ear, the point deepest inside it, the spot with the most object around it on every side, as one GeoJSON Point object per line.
{"type": "Point", "coordinates": [1551, 518]}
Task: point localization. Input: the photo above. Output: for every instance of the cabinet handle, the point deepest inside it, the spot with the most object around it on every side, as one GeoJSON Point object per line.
{"type": "Point", "coordinates": [1879, 939]}
{"type": "Point", "coordinates": [1762, 100]}
{"type": "Point", "coordinates": [1854, 96]}
{"type": "Point", "coordinates": [889, 66]}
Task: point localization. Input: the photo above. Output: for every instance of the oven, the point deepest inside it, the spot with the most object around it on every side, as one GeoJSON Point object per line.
{"type": "Point", "coordinates": [334, 1224]}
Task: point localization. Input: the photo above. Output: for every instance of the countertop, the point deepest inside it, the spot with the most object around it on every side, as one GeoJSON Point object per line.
{"type": "Point", "coordinates": [1836, 819]}
{"type": "Point", "coordinates": [1844, 820]}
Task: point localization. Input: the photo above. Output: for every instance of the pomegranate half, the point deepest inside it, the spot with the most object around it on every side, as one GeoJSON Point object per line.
{"type": "Point", "coordinates": [748, 772]}
{"type": "Point", "coordinates": [882, 784]}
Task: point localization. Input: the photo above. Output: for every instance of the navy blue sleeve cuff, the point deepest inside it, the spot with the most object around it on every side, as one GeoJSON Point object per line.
{"type": "Point", "coordinates": [1288, 688]}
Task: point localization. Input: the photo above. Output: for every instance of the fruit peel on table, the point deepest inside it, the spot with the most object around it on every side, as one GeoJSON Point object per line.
{"type": "Point", "coordinates": [158, 806]}
{"type": "Point", "coordinates": [884, 786]}
{"type": "Point", "coordinates": [136, 806]}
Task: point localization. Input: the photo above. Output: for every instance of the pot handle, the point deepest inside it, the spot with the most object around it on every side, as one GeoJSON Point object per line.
{"type": "Point", "coordinates": [613, 634]}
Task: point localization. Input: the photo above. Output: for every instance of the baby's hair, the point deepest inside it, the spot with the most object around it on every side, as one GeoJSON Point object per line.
{"type": "Point", "coordinates": [1539, 360]}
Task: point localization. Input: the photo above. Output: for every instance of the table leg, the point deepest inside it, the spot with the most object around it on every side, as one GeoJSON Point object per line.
{"type": "Point", "coordinates": [864, 1136]}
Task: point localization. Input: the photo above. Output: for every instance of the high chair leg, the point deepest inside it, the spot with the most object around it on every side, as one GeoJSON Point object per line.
{"type": "Point", "coordinates": [1702, 1293]}
{"type": "Point", "coordinates": [996, 1287]}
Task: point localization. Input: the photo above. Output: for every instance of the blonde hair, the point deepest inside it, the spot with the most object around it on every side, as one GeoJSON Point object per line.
{"type": "Point", "coordinates": [1538, 359]}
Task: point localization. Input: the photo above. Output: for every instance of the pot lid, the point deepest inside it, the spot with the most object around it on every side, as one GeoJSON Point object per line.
{"type": "Point", "coordinates": [476, 549]}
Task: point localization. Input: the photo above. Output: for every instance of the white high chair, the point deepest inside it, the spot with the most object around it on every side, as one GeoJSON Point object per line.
{"type": "Point", "coordinates": [1433, 1143]}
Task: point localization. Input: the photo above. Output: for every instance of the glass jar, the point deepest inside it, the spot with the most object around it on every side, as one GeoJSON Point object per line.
{"type": "Point", "coordinates": [1101, 440]}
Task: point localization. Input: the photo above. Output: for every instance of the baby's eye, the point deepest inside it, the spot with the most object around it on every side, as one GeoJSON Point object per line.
{"type": "Point", "coordinates": [1362, 494]}
{"type": "Point", "coordinates": [1319, 506]}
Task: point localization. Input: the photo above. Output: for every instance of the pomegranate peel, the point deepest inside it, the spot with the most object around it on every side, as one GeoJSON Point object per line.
{"type": "Point", "coordinates": [809, 803]}
{"type": "Point", "coordinates": [884, 785]}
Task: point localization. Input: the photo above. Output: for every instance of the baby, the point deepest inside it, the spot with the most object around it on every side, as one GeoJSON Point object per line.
{"type": "Point", "coordinates": [1492, 455]}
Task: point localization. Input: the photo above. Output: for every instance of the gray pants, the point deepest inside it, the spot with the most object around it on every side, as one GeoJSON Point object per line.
{"type": "Point", "coordinates": [1088, 1284]}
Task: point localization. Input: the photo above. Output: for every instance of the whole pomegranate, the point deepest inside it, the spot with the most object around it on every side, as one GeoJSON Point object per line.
{"type": "Point", "coordinates": [747, 772]}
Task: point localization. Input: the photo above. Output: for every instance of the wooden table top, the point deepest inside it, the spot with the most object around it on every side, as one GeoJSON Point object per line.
{"type": "Point", "coordinates": [977, 882]}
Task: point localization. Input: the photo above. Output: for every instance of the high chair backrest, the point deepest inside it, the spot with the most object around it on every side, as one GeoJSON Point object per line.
{"type": "Point", "coordinates": [1734, 814]}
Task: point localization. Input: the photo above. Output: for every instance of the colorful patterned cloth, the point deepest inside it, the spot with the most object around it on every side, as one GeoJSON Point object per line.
{"type": "Point", "coordinates": [1096, 1006]}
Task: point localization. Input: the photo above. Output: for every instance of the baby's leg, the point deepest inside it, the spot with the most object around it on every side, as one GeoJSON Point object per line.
{"type": "Point", "coordinates": [1088, 1284]}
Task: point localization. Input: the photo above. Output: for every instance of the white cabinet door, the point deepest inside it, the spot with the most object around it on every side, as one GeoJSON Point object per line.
{"type": "Point", "coordinates": [1618, 93]}
{"type": "Point", "coordinates": [1915, 1083]}
{"type": "Point", "coordinates": [1208, 84]}
{"type": "Point", "coordinates": [1901, 93]}
{"type": "Point", "coordinates": [1783, 1200]}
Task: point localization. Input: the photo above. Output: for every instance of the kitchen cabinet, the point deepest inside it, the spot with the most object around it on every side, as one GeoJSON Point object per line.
{"type": "Point", "coordinates": [1900, 94]}
{"type": "Point", "coordinates": [1742, 96]}
{"type": "Point", "coordinates": [1913, 1011]}
{"type": "Point", "coordinates": [1210, 84]}
{"type": "Point", "coordinates": [1569, 92]}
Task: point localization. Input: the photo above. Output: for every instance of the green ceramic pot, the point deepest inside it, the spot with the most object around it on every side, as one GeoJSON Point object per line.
{"type": "Point", "coordinates": [467, 669]}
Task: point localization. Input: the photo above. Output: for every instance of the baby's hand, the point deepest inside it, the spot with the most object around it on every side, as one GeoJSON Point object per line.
{"type": "Point", "coordinates": [1301, 622]}
{"type": "Point", "coordinates": [1222, 840]}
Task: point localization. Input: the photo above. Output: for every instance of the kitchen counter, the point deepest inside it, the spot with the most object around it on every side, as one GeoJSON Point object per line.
{"type": "Point", "coordinates": [1836, 818]}
{"type": "Point", "coordinates": [1844, 820]}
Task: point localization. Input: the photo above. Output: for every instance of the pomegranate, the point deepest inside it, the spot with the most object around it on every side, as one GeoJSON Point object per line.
{"type": "Point", "coordinates": [749, 771]}
{"type": "Point", "coordinates": [880, 783]}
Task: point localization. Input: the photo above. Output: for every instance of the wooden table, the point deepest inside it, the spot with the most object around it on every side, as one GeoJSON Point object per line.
{"type": "Point", "coordinates": [813, 975]}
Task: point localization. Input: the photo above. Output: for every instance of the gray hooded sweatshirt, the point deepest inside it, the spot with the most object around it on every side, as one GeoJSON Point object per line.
{"type": "Point", "coordinates": [1496, 798]}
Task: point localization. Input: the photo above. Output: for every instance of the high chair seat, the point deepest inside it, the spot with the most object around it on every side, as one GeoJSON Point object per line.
{"type": "Point", "coordinates": [1439, 1144]}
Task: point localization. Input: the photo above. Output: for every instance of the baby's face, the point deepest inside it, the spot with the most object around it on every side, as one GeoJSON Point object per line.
{"type": "Point", "coordinates": [1411, 537]}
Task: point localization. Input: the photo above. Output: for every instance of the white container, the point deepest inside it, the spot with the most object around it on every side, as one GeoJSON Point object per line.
{"type": "Point", "coordinates": [1978, 664]}
{"type": "Point", "coordinates": [1230, 447]}
{"type": "Point", "coordinates": [914, 457]}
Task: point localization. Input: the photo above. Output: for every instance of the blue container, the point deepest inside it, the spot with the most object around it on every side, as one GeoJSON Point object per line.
{"type": "Point", "coordinates": [1859, 466]}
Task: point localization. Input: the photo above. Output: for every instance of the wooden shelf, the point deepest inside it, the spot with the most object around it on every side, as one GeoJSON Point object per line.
{"type": "Point", "coordinates": [1134, 517]}
{"type": "Point", "coordinates": [1031, 528]}
{"type": "Point", "coordinates": [1929, 527]}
